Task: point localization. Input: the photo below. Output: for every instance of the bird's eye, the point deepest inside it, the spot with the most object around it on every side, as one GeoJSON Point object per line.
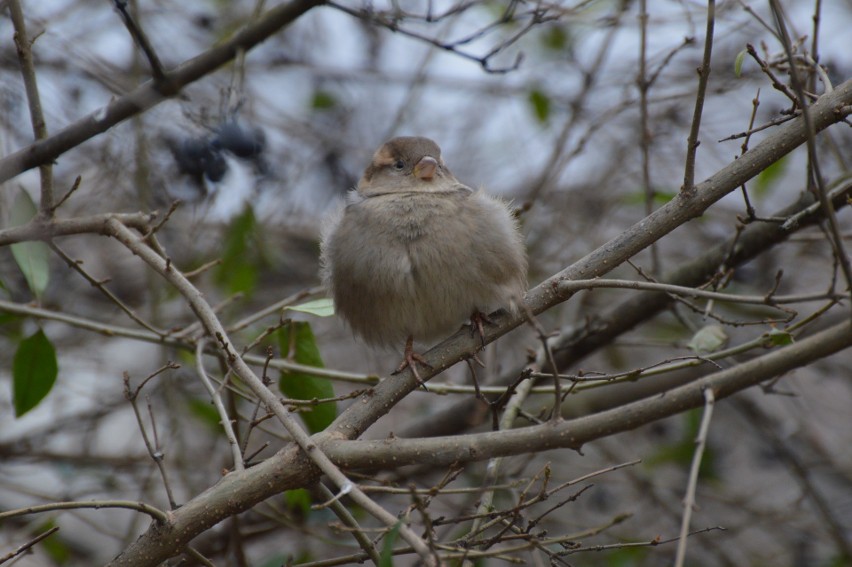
{"type": "Point", "coordinates": [399, 165]}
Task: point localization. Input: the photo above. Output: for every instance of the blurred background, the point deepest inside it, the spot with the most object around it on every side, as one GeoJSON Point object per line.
{"type": "Point", "coordinates": [538, 102]}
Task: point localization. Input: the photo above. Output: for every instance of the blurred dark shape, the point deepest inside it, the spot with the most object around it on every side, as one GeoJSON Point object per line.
{"type": "Point", "coordinates": [205, 21]}
{"type": "Point", "coordinates": [197, 156]}
{"type": "Point", "coordinates": [242, 141]}
{"type": "Point", "coordinates": [342, 179]}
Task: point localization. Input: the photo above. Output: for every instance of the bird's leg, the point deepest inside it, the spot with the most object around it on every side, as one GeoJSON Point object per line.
{"type": "Point", "coordinates": [410, 360]}
{"type": "Point", "coordinates": [477, 319]}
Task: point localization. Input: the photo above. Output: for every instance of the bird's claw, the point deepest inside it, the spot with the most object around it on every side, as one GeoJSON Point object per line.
{"type": "Point", "coordinates": [477, 321]}
{"type": "Point", "coordinates": [411, 359]}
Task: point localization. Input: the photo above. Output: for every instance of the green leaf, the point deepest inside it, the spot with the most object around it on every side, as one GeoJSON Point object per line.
{"type": "Point", "coordinates": [779, 338]}
{"type": "Point", "coordinates": [320, 307]}
{"type": "Point", "coordinates": [555, 38]}
{"type": "Point", "coordinates": [625, 557]}
{"type": "Point", "coordinates": [738, 62]}
{"type": "Point", "coordinates": [205, 412]}
{"type": "Point", "coordinates": [32, 257]}
{"type": "Point", "coordinates": [297, 343]}
{"type": "Point", "coordinates": [709, 338]}
{"type": "Point", "coordinates": [237, 272]}
{"type": "Point", "coordinates": [34, 371]}
{"type": "Point", "coordinates": [386, 557]}
{"type": "Point", "coordinates": [770, 175]}
{"type": "Point", "coordinates": [540, 103]}
{"type": "Point", "coordinates": [298, 499]}
{"type": "Point", "coordinates": [323, 100]}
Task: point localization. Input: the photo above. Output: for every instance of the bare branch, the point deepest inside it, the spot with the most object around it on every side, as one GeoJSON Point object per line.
{"type": "Point", "coordinates": [25, 55]}
{"type": "Point", "coordinates": [703, 76]}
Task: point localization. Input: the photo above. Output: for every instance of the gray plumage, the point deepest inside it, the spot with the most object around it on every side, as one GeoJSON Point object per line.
{"type": "Point", "coordinates": [416, 253]}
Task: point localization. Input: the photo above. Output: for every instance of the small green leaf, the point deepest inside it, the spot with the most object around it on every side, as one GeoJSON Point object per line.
{"type": "Point", "coordinates": [738, 62]}
{"type": "Point", "coordinates": [297, 343]}
{"type": "Point", "coordinates": [709, 338]}
{"type": "Point", "coordinates": [779, 338]}
{"type": "Point", "coordinates": [386, 557]}
{"type": "Point", "coordinates": [555, 37]}
{"type": "Point", "coordinates": [323, 100]}
{"type": "Point", "coordinates": [540, 103]}
{"type": "Point", "coordinates": [204, 411]}
{"type": "Point", "coordinates": [237, 272]}
{"type": "Point", "coordinates": [32, 257]}
{"type": "Point", "coordinates": [768, 176]}
{"type": "Point", "coordinates": [34, 371]}
{"type": "Point", "coordinates": [625, 557]}
{"type": "Point", "coordinates": [298, 499]}
{"type": "Point", "coordinates": [320, 307]}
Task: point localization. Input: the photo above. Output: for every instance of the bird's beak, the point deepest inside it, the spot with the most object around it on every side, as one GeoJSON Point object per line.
{"type": "Point", "coordinates": [426, 168]}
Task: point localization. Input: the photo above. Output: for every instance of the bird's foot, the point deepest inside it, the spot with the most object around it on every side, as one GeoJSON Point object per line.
{"type": "Point", "coordinates": [477, 322]}
{"type": "Point", "coordinates": [411, 359]}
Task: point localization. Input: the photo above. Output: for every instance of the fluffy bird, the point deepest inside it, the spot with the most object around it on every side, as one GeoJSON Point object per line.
{"type": "Point", "coordinates": [415, 253]}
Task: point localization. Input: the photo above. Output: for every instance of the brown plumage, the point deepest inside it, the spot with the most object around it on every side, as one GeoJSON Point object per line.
{"type": "Point", "coordinates": [415, 253]}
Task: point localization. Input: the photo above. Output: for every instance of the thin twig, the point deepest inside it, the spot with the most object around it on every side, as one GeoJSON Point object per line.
{"type": "Point", "coordinates": [158, 515]}
{"type": "Point", "coordinates": [777, 83]}
{"type": "Point", "coordinates": [220, 407]}
{"type": "Point", "coordinates": [28, 545]}
{"type": "Point", "coordinates": [755, 102]}
{"type": "Point", "coordinates": [554, 369]}
{"type": "Point", "coordinates": [25, 55]}
{"type": "Point", "coordinates": [766, 299]}
{"type": "Point", "coordinates": [689, 499]}
{"type": "Point", "coordinates": [76, 265]}
{"type": "Point", "coordinates": [274, 308]}
{"type": "Point", "coordinates": [703, 75]}
{"type": "Point", "coordinates": [141, 40]}
{"type": "Point", "coordinates": [74, 187]}
{"type": "Point", "coordinates": [153, 448]}
{"type": "Point", "coordinates": [349, 521]}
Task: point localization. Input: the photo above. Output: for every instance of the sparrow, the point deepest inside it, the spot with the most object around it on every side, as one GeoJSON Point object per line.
{"type": "Point", "coordinates": [415, 253]}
